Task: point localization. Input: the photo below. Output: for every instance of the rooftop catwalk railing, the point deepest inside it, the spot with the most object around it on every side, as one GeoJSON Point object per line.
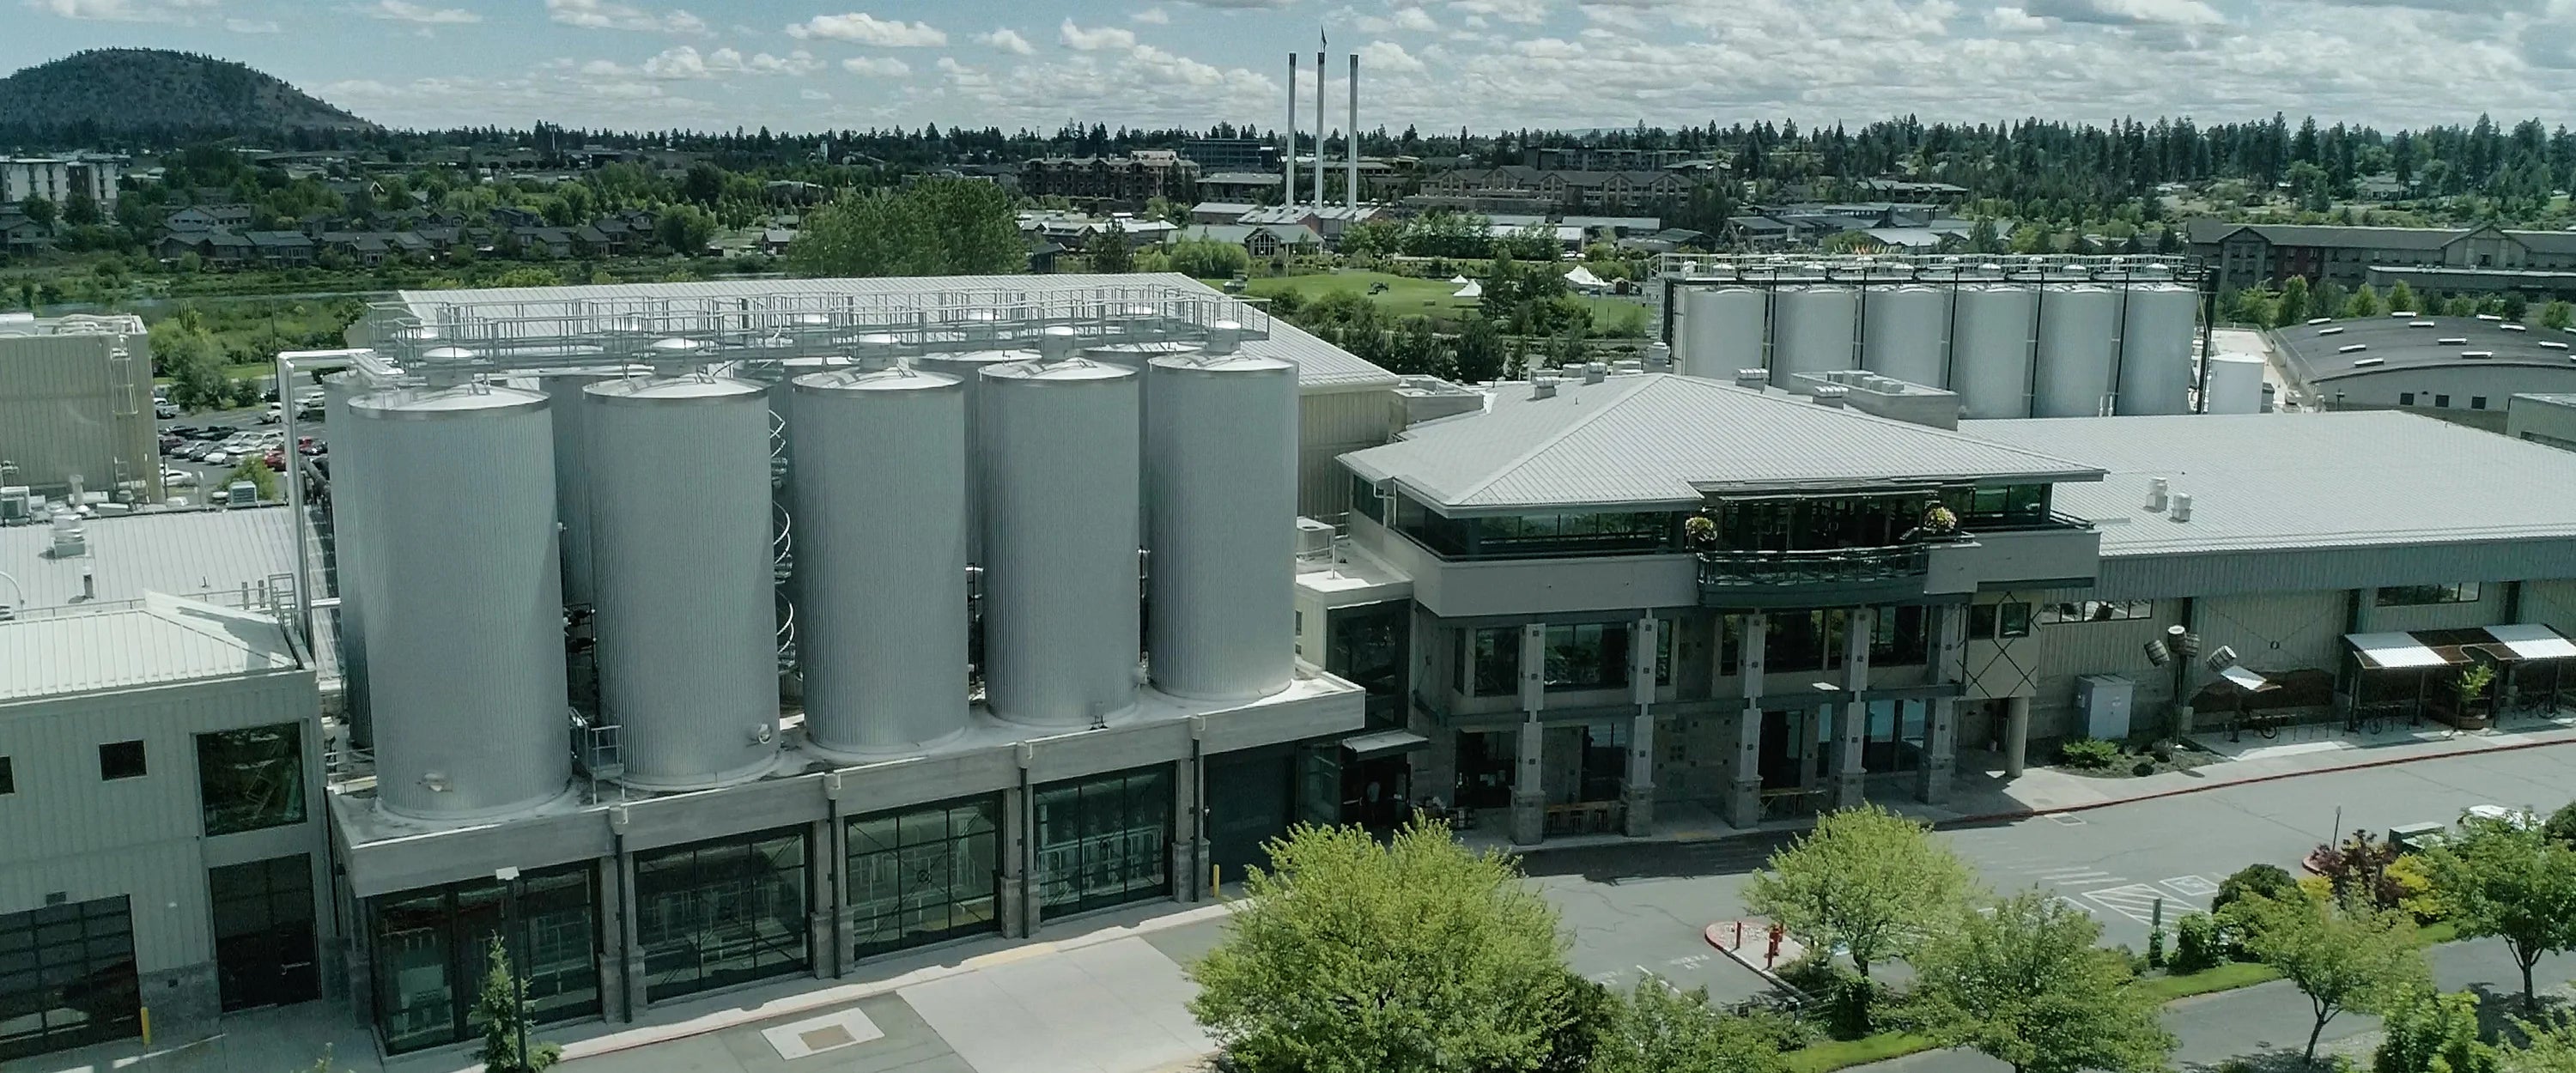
{"type": "Point", "coordinates": [1791, 268]}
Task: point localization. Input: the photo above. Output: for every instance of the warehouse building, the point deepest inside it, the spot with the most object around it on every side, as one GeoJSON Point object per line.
{"type": "Point", "coordinates": [76, 406]}
{"type": "Point", "coordinates": [1626, 594]}
{"type": "Point", "coordinates": [2542, 418]}
{"type": "Point", "coordinates": [2456, 368]}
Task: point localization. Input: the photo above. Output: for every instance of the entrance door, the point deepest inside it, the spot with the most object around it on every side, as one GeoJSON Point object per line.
{"type": "Point", "coordinates": [263, 915]}
{"type": "Point", "coordinates": [1792, 747]}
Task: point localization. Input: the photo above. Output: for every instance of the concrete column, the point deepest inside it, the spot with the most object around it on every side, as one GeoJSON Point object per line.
{"type": "Point", "coordinates": [1188, 849]}
{"type": "Point", "coordinates": [1019, 915]}
{"type": "Point", "coordinates": [1941, 722]}
{"type": "Point", "coordinates": [821, 937]}
{"type": "Point", "coordinates": [1529, 775]}
{"type": "Point", "coordinates": [2183, 717]}
{"type": "Point", "coordinates": [1744, 804]}
{"type": "Point", "coordinates": [631, 947]}
{"type": "Point", "coordinates": [2016, 735]}
{"type": "Point", "coordinates": [612, 921]}
{"type": "Point", "coordinates": [1638, 801]}
{"type": "Point", "coordinates": [1851, 778]}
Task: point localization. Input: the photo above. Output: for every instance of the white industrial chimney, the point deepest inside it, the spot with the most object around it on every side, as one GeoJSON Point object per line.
{"type": "Point", "coordinates": [1319, 128]}
{"type": "Point", "coordinates": [1351, 138]}
{"type": "Point", "coordinates": [1288, 154]}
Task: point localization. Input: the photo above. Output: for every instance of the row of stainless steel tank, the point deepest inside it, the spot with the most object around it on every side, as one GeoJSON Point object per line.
{"type": "Point", "coordinates": [2008, 348]}
{"type": "Point", "coordinates": [1047, 472]}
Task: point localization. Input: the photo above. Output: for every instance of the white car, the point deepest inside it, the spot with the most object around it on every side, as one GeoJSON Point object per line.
{"type": "Point", "coordinates": [217, 458]}
{"type": "Point", "coordinates": [178, 478]}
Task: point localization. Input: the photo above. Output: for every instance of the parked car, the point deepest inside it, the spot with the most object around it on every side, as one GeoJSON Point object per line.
{"type": "Point", "coordinates": [272, 415]}
{"type": "Point", "coordinates": [275, 459]}
{"type": "Point", "coordinates": [179, 478]}
{"type": "Point", "coordinates": [170, 443]}
{"type": "Point", "coordinates": [307, 445]}
{"type": "Point", "coordinates": [196, 452]}
{"type": "Point", "coordinates": [165, 409]}
{"type": "Point", "coordinates": [217, 458]}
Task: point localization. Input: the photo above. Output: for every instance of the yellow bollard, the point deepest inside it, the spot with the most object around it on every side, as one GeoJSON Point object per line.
{"type": "Point", "coordinates": [145, 1012]}
{"type": "Point", "coordinates": [1216, 878]}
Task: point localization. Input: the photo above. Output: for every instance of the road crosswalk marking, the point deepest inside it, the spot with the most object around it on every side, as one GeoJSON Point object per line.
{"type": "Point", "coordinates": [2136, 901]}
{"type": "Point", "coordinates": [2192, 886]}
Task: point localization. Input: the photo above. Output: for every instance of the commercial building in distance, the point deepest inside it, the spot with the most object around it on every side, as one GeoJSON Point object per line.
{"type": "Point", "coordinates": [2455, 368]}
{"type": "Point", "coordinates": [2482, 259]}
{"type": "Point", "coordinates": [1114, 182]}
{"type": "Point", "coordinates": [76, 406]}
{"type": "Point", "coordinates": [56, 179]}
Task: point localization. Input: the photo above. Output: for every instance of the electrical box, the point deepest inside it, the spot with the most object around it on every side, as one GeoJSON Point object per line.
{"type": "Point", "coordinates": [2105, 700]}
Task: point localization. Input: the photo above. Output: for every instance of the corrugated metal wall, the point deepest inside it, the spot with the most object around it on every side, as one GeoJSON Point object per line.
{"type": "Point", "coordinates": [2550, 602]}
{"type": "Point", "coordinates": [67, 831]}
{"type": "Point", "coordinates": [2065, 651]}
{"type": "Point", "coordinates": [2280, 631]}
{"type": "Point", "coordinates": [1329, 425]}
{"type": "Point", "coordinates": [2486, 610]}
{"type": "Point", "coordinates": [60, 399]}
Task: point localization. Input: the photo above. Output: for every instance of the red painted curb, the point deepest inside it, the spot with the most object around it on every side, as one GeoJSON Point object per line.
{"type": "Point", "coordinates": [2024, 814]}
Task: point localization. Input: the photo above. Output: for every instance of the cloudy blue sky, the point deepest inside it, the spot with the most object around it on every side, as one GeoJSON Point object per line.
{"type": "Point", "coordinates": [810, 64]}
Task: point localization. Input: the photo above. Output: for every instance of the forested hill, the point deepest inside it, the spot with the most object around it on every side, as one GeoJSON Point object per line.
{"type": "Point", "coordinates": [123, 94]}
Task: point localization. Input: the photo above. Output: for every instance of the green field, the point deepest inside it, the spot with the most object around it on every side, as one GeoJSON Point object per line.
{"type": "Point", "coordinates": [1407, 296]}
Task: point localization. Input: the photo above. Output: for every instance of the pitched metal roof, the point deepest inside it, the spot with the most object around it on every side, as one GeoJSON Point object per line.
{"type": "Point", "coordinates": [215, 554]}
{"type": "Point", "coordinates": [2317, 353]}
{"type": "Point", "coordinates": [2305, 481]}
{"type": "Point", "coordinates": [161, 640]}
{"type": "Point", "coordinates": [1664, 440]}
{"type": "Point", "coordinates": [1320, 365]}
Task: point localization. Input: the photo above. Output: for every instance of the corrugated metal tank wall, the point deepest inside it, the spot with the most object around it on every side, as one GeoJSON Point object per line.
{"type": "Point", "coordinates": [688, 624]}
{"type": "Point", "coordinates": [1138, 358]}
{"type": "Point", "coordinates": [2156, 338]}
{"type": "Point", "coordinates": [1906, 334]}
{"type": "Point", "coordinates": [882, 557]}
{"type": "Point", "coordinates": [572, 476]}
{"type": "Point", "coordinates": [2235, 385]}
{"type": "Point", "coordinates": [1060, 450]}
{"type": "Point", "coordinates": [1721, 331]}
{"type": "Point", "coordinates": [464, 603]}
{"type": "Point", "coordinates": [1812, 331]}
{"type": "Point", "coordinates": [1221, 491]}
{"type": "Point", "coordinates": [2078, 345]}
{"type": "Point", "coordinates": [349, 544]}
{"type": "Point", "coordinates": [1990, 363]}
{"type": "Point", "coordinates": [968, 367]}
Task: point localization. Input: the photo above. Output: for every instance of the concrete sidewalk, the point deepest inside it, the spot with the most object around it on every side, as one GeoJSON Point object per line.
{"type": "Point", "coordinates": [1980, 793]}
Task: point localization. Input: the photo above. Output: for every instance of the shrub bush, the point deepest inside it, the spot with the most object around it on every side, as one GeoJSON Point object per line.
{"type": "Point", "coordinates": [2197, 944]}
{"type": "Point", "coordinates": [2431, 1032]}
{"type": "Point", "coordinates": [2562, 825]}
{"type": "Point", "coordinates": [2264, 879]}
{"type": "Point", "coordinates": [1842, 997]}
{"type": "Point", "coordinates": [2090, 754]}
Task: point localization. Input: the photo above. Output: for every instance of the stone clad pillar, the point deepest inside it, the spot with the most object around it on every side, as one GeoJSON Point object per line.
{"type": "Point", "coordinates": [1851, 777]}
{"type": "Point", "coordinates": [1744, 804]}
{"type": "Point", "coordinates": [2016, 735]}
{"type": "Point", "coordinates": [1529, 788]}
{"type": "Point", "coordinates": [1638, 801]}
{"type": "Point", "coordinates": [1941, 721]}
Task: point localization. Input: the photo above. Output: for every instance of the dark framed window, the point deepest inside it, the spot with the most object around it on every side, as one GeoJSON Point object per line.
{"type": "Point", "coordinates": [1803, 640]}
{"type": "Point", "coordinates": [1364, 499]}
{"type": "Point", "coordinates": [2458, 592]}
{"type": "Point", "coordinates": [925, 874]}
{"type": "Point", "coordinates": [2012, 619]}
{"type": "Point", "coordinates": [1590, 655]}
{"type": "Point", "coordinates": [67, 977]}
{"type": "Point", "coordinates": [2441, 402]}
{"type": "Point", "coordinates": [8, 777]}
{"type": "Point", "coordinates": [1892, 735]}
{"type": "Point", "coordinates": [1897, 638]}
{"type": "Point", "coordinates": [1981, 622]}
{"type": "Point", "coordinates": [723, 912]}
{"type": "Point", "coordinates": [121, 760]}
{"type": "Point", "coordinates": [2405, 398]}
{"type": "Point", "coordinates": [2066, 612]}
{"type": "Point", "coordinates": [432, 948]}
{"type": "Point", "coordinates": [251, 779]}
{"type": "Point", "coordinates": [1104, 841]}
{"type": "Point", "coordinates": [1491, 658]}
{"type": "Point", "coordinates": [2477, 402]}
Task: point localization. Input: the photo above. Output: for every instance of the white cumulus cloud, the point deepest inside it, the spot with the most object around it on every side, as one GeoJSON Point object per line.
{"type": "Point", "coordinates": [1154, 15]}
{"type": "Point", "coordinates": [862, 28]}
{"type": "Point", "coordinates": [1008, 40]}
{"type": "Point", "coordinates": [1095, 39]}
{"type": "Point", "coordinates": [423, 14]}
{"type": "Point", "coordinates": [877, 67]}
{"type": "Point", "coordinates": [1387, 56]}
{"type": "Point", "coordinates": [610, 15]}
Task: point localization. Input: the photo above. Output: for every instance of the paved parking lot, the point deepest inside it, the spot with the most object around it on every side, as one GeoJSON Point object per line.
{"type": "Point", "coordinates": [209, 477]}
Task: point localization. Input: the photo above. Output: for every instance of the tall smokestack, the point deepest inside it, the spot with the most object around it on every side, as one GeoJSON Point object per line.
{"type": "Point", "coordinates": [1288, 155]}
{"type": "Point", "coordinates": [1351, 137]}
{"type": "Point", "coordinates": [1319, 129]}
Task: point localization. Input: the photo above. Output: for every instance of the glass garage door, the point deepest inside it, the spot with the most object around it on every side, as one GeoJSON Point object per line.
{"type": "Point", "coordinates": [66, 977]}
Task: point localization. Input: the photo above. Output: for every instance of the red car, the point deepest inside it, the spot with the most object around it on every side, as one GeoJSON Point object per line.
{"type": "Point", "coordinates": [275, 458]}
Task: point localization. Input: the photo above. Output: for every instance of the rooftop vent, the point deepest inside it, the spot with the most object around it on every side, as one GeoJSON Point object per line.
{"type": "Point", "coordinates": [2475, 354]}
{"type": "Point", "coordinates": [2513, 327]}
{"type": "Point", "coordinates": [2157, 491]}
{"type": "Point", "coordinates": [2454, 340]}
{"type": "Point", "coordinates": [1542, 388]}
{"type": "Point", "coordinates": [1594, 372]}
{"type": "Point", "coordinates": [2329, 331]}
{"type": "Point", "coordinates": [2489, 316]}
{"type": "Point", "coordinates": [1753, 379]}
{"type": "Point", "coordinates": [2364, 363]}
{"type": "Point", "coordinates": [2350, 348]}
{"type": "Point", "coordinates": [71, 538]}
{"type": "Point", "coordinates": [2402, 314]}
{"type": "Point", "coordinates": [1830, 394]}
{"type": "Point", "coordinates": [2422, 324]}
{"type": "Point", "coordinates": [2553, 344]}
{"type": "Point", "coordinates": [2181, 511]}
{"type": "Point", "coordinates": [2321, 320]}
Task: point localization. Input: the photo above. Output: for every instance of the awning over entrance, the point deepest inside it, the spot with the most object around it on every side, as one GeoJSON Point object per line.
{"type": "Point", "coordinates": [1384, 743]}
{"type": "Point", "coordinates": [2393, 651]}
{"type": "Point", "coordinates": [2531, 640]}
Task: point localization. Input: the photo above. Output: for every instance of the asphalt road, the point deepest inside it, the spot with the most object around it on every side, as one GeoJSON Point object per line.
{"type": "Point", "coordinates": [1637, 909]}
{"type": "Point", "coordinates": [211, 477]}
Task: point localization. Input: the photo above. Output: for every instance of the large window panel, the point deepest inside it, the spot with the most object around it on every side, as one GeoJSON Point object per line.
{"type": "Point", "coordinates": [251, 779]}
{"type": "Point", "coordinates": [67, 977]}
{"type": "Point", "coordinates": [923, 875]}
{"type": "Point", "coordinates": [431, 949]}
{"type": "Point", "coordinates": [1103, 841]}
{"type": "Point", "coordinates": [1493, 658]}
{"type": "Point", "coordinates": [716, 914]}
{"type": "Point", "coordinates": [1591, 655]}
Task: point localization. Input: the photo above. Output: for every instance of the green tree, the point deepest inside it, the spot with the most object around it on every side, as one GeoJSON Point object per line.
{"type": "Point", "coordinates": [2364, 303]}
{"type": "Point", "coordinates": [2401, 298]}
{"type": "Point", "coordinates": [2342, 955]}
{"type": "Point", "coordinates": [2547, 1047]}
{"type": "Point", "coordinates": [703, 184]}
{"type": "Point", "coordinates": [1415, 954]}
{"type": "Point", "coordinates": [2026, 985]}
{"type": "Point", "coordinates": [2253, 305]}
{"type": "Point", "coordinates": [1479, 350]}
{"type": "Point", "coordinates": [2292, 307]}
{"type": "Point", "coordinates": [936, 227]}
{"type": "Point", "coordinates": [258, 474]}
{"type": "Point", "coordinates": [2326, 300]}
{"type": "Point", "coordinates": [1207, 258]}
{"type": "Point", "coordinates": [2515, 308]}
{"type": "Point", "coordinates": [1109, 251]}
{"type": "Point", "coordinates": [2510, 881]}
{"type": "Point", "coordinates": [2428, 1032]}
{"type": "Point", "coordinates": [80, 209]}
{"type": "Point", "coordinates": [529, 277]}
{"type": "Point", "coordinates": [503, 1006]}
{"type": "Point", "coordinates": [685, 229]}
{"type": "Point", "coordinates": [2557, 314]}
{"type": "Point", "coordinates": [40, 212]}
{"type": "Point", "coordinates": [1662, 1029]}
{"type": "Point", "coordinates": [1982, 237]}
{"type": "Point", "coordinates": [1865, 879]}
{"type": "Point", "coordinates": [2561, 824]}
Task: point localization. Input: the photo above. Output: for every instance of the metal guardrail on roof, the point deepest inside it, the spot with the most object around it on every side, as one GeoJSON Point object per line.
{"type": "Point", "coordinates": [426, 333]}
{"type": "Point", "coordinates": [1926, 267]}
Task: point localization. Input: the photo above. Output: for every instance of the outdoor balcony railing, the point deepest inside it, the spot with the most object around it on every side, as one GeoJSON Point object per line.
{"type": "Point", "coordinates": [1736, 570]}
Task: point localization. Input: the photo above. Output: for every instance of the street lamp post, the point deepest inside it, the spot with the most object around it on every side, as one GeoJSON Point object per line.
{"type": "Point", "coordinates": [509, 877]}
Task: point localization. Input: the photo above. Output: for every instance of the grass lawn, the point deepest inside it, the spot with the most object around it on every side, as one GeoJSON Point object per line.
{"type": "Point", "coordinates": [2227, 977]}
{"type": "Point", "coordinates": [1845, 1053]}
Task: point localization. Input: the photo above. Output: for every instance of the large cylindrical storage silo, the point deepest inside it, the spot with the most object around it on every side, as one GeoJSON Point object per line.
{"type": "Point", "coordinates": [682, 557]}
{"type": "Point", "coordinates": [1138, 356]}
{"type": "Point", "coordinates": [464, 601]}
{"type": "Point", "coordinates": [1060, 540]}
{"type": "Point", "coordinates": [2235, 385]}
{"type": "Point", "coordinates": [1812, 330]}
{"type": "Point", "coordinates": [572, 475]}
{"type": "Point", "coordinates": [1221, 497]}
{"type": "Point", "coordinates": [1905, 334]}
{"type": "Point", "coordinates": [2079, 342]}
{"type": "Point", "coordinates": [350, 543]}
{"type": "Point", "coordinates": [881, 562]}
{"type": "Point", "coordinates": [2155, 349]}
{"type": "Point", "coordinates": [1721, 331]}
{"type": "Point", "coordinates": [1991, 347]}
{"type": "Point", "coordinates": [968, 367]}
